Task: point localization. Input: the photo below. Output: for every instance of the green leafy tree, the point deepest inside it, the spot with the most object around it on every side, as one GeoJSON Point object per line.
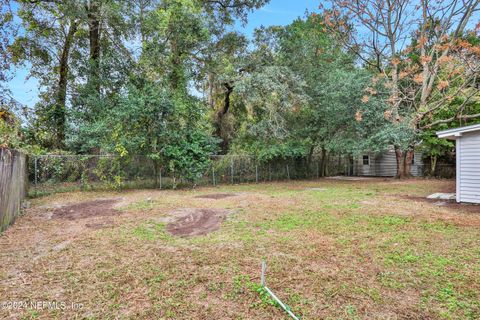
{"type": "Point", "coordinates": [46, 45]}
{"type": "Point", "coordinates": [10, 134]}
{"type": "Point", "coordinates": [306, 96]}
{"type": "Point", "coordinates": [6, 32]}
{"type": "Point", "coordinates": [150, 121]}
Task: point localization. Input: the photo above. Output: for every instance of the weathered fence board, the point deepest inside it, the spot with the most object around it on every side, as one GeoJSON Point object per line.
{"type": "Point", "coordinates": [13, 178]}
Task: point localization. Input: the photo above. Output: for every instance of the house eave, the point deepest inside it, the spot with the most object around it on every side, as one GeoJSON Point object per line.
{"type": "Point", "coordinates": [454, 134]}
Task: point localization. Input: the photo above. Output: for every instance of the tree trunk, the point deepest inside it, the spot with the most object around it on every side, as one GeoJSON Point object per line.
{"type": "Point", "coordinates": [310, 157]}
{"type": "Point", "coordinates": [408, 163]}
{"type": "Point", "coordinates": [94, 40]}
{"type": "Point", "coordinates": [400, 163]}
{"type": "Point", "coordinates": [323, 171]}
{"type": "Point", "coordinates": [220, 120]}
{"type": "Point", "coordinates": [60, 103]}
{"type": "Point", "coordinates": [433, 165]}
{"type": "Point", "coordinates": [404, 163]}
{"type": "Point", "coordinates": [94, 33]}
{"type": "Point", "coordinates": [177, 73]}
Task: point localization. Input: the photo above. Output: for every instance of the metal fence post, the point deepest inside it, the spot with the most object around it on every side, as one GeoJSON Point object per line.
{"type": "Point", "coordinates": [160, 178]}
{"type": "Point", "coordinates": [231, 170]}
{"type": "Point", "coordinates": [36, 165]}
{"type": "Point", "coordinates": [256, 173]}
{"type": "Point", "coordinates": [288, 173]}
{"type": "Point", "coordinates": [213, 175]}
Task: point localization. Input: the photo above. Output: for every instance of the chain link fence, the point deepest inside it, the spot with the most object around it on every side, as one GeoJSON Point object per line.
{"type": "Point", "coordinates": [63, 173]}
{"type": "Point", "coordinates": [443, 171]}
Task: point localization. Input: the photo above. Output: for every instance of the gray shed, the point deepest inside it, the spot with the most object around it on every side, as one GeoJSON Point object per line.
{"type": "Point", "coordinates": [468, 161]}
{"type": "Point", "coordinates": [385, 164]}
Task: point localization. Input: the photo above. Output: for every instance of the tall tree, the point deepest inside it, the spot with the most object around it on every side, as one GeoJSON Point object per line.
{"type": "Point", "coordinates": [304, 96]}
{"type": "Point", "coordinates": [386, 33]}
{"type": "Point", "coordinates": [7, 32]}
{"type": "Point", "coordinates": [225, 62]}
{"type": "Point", "coordinates": [46, 45]}
{"type": "Point", "coordinates": [94, 10]}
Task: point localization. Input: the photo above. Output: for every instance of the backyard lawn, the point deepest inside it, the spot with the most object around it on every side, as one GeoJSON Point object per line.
{"type": "Point", "coordinates": [369, 249]}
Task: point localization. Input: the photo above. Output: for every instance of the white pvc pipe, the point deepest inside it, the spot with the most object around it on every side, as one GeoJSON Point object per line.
{"type": "Point", "coordinates": [284, 307]}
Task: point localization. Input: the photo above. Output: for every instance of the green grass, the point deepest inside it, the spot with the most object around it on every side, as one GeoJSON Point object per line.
{"type": "Point", "coordinates": [151, 232]}
{"type": "Point", "coordinates": [352, 251]}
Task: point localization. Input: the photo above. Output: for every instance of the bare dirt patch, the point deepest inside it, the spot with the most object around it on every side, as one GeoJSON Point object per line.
{"type": "Point", "coordinates": [217, 196]}
{"type": "Point", "coordinates": [463, 207]}
{"type": "Point", "coordinates": [451, 204]}
{"type": "Point", "coordinates": [89, 209]}
{"type": "Point", "coordinates": [196, 222]}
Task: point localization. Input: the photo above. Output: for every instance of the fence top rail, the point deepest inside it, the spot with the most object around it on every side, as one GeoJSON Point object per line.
{"type": "Point", "coordinates": [80, 155]}
{"type": "Point", "coordinates": [136, 155]}
{"type": "Point", "coordinates": [228, 156]}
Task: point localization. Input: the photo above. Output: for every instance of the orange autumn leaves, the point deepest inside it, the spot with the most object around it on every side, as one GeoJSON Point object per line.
{"type": "Point", "coordinates": [365, 99]}
{"type": "Point", "coordinates": [442, 84]}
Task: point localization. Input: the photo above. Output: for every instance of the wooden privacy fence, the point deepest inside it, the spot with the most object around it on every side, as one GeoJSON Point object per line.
{"type": "Point", "coordinates": [13, 179]}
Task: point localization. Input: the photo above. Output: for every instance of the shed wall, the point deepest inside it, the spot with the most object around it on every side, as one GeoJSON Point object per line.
{"type": "Point", "coordinates": [468, 177]}
{"type": "Point", "coordinates": [385, 165]}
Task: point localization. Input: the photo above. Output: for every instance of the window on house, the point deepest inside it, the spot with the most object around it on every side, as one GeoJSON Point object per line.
{"type": "Point", "coordinates": [366, 160]}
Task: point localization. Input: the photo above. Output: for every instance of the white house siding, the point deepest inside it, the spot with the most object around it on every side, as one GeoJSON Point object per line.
{"type": "Point", "coordinates": [385, 165]}
{"type": "Point", "coordinates": [468, 170]}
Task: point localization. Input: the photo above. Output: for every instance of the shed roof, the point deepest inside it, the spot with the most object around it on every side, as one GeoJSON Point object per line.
{"type": "Point", "coordinates": [457, 132]}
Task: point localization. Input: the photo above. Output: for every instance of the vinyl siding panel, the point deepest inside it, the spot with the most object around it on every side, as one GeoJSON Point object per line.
{"type": "Point", "coordinates": [417, 167]}
{"type": "Point", "coordinates": [385, 165]}
{"type": "Point", "coordinates": [468, 180]}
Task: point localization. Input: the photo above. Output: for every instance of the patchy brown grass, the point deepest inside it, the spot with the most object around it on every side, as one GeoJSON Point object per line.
{"type": "Point", "coordinates": [216, 196]}
{"type": "Point", "coordinates": [370, 249]}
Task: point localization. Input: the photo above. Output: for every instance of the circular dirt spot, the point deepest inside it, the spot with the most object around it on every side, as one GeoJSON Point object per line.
{"type": "Point", "coordinates": [196, 222]}
{"type": "Point", "coordinates": [83, 210]}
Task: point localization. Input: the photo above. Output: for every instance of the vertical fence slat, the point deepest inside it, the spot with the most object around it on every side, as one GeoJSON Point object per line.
{"type": "Point", "coordinates": [12, 185]}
